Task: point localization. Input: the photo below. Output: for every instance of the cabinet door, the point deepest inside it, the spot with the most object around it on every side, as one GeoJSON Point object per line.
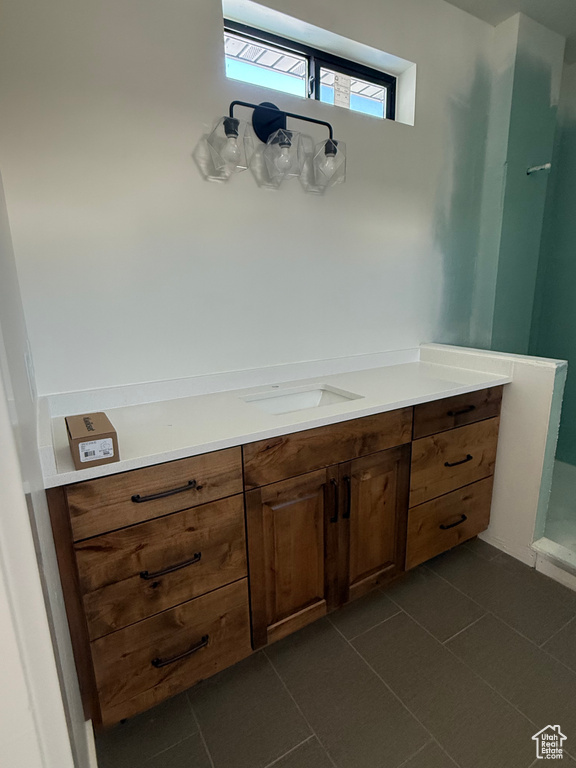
{"type": "Point", "coordinates": [374, 508]}
{"type": "Point", "coordinates": [292, 540]}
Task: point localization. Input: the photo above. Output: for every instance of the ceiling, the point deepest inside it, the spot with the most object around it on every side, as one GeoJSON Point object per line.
{"type": "Point", "coordinates": [558, 15]}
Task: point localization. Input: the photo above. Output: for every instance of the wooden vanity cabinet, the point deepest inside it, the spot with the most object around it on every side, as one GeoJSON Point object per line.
{"type": "Point", "coordinates": [322, 538]}
{"type": "Point", "coordinates": [278, 458]}
{"type": "Point", "coordinates": [176, 571]}
{"type": "Point", "coordinates": [130, 574]}
{"type": "Point", "coordinates": [373, 520]}
{"type": "Point", "coordinates": [451, 412]}
{"type": "Point", "coordinates": [452, 469]}
{"type": "Point", "coordinates": [292, 550]}
{"type": "Point", "coordinates": [153, 568]}
{"type": "Point", "coordinates": [443, 523]}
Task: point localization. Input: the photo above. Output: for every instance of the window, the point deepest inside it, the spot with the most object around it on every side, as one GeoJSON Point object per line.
{"type": "Point", "coordinates": [267, 65]}
{"type": "Point", "coordinates": [260, 58]}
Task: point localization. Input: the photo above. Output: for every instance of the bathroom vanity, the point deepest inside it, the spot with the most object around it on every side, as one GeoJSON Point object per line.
{"type": "Point", "coordinates": [176, 570]}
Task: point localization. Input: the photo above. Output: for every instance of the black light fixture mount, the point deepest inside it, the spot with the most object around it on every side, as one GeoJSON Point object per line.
{"type": "Point", "coordinates": [268, 118]}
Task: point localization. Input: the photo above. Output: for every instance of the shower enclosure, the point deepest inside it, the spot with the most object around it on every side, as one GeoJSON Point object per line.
{"type": "Point", "coordinates": [553, 332]}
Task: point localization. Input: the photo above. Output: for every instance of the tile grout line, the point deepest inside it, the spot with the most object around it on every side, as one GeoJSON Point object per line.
{"type": "Point", "coordinates": [448, 639]}
{"type": "Point", "coordinates": [442, 643]}
{"type": "Point", "coordinates": [375, 625]}
{"type": "Point", "coordinates": [166, 749]}
{"type": "Point", "coordinates": [407, 612]}
{"type": "Point", "coordinates": [488, 612]}
{"type": "Point", "coordinates": [289, 692]}
{"type": "Point", "coordinates": [402, 703]}
{"type": "Point", "coordinates": [494, 561]}
{"type": "Point", "coordinates": [514, 572]}
{"type": "Point", "coordinates": [477, 674]}
{"type": "Point", "coordinates": [558, 599]}
{"type": "Point", "coordinates": [200, 732]}
{"type": "Point", "coordinates": [554, 658]}
{"type": "Point", "coordinates": [422, 748]}
{"type": "Point", "coordinates": [557, 632]}
{"type": "Point", "coordinates": [178, 741]}
{"type": "Point", "coordinates": [513, 629]}
{"type": "Point", "coordinates": [506, 624]}
{"type": "Point", "coordinates": [488, 559]}
{"type": "Point", "coordinates": [445, 580]}
{"type": "Point", "coordinates": [277, 760]}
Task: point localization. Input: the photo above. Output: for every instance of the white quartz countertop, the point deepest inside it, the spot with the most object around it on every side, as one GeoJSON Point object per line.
{"type": "Point", "coordinates": [151, 433]}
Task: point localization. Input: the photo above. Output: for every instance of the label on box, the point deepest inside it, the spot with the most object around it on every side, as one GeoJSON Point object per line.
{"type": "Point", "coordinates": [96, 449]}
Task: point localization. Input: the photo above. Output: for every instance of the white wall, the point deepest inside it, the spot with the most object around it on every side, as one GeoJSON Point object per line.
{"type": "Point", "coordinates": [33, 730]}
{"type": "Point", "coordinates": [19, 746]}
{"type": "Point", "coordinates": [29, 582]}
{"type": "Point", "coordinates": [133, 268]}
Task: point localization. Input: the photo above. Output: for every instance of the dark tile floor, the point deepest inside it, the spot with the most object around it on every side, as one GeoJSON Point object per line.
{"type": "Point", "coordinates": [458, 664]}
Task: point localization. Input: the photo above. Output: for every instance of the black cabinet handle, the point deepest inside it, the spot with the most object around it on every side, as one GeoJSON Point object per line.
{"type": "Point", "coordinates": [334, 484]}
{"type": "Point", "coordinates": [467, 409]}
{"type": "Point", "coordinates": [456, 463]}
{"type": "Point", "coordinates": [172, 568]}
{"type": "Point", "coordinates": [453, 525]}
{"type": "Point", "coordinates": [137, 499]}
{"type": "Point", "coordinates": [348, 484]}
{"type": "Point", "coordinates": [163, 662]}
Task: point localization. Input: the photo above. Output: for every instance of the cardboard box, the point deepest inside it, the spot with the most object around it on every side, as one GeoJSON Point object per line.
{"type": "Point", "coordinates": [93, 440]}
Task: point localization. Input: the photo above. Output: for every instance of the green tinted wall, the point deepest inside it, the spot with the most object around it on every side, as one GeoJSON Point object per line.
{"type": "Point", "coordinates": [554, 318]}
{"type": "Point", "coordinates": [528, 60]}
{"type": "Point", "coordinates": [530, 142]}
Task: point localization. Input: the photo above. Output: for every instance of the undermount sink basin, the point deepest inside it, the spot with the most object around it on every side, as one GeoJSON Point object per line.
{"type": "Point", "coordinates": [299, 398]}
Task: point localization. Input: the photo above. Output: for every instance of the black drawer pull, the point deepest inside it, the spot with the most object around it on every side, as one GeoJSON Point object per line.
{"type": "Point", "coordinates": [172, 568]}
{"type": "Point", "coordinates": [163, 662]}
{"type": "Point", "coordinates": [137, 499]}
{"type": "Point", "coordinates": [334, 484]}
{"type": "Point", "coordinates": [467, 409]}
{"type": "Point", "coordinates": [456, 463]}
{"type": "Point", "coordinates": [453, 525]}
{"type": "Point", "coordinates": [348, 484]}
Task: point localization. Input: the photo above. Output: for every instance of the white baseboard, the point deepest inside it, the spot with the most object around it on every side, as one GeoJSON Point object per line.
{"type": "Point", "coordinates": [543, 565]}
{"type": "Point", "coordinates": [92, 758]}
{"type": "Point", "coordinates": [525, 554]}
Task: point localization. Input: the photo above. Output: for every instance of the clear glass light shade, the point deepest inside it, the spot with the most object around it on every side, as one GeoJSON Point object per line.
{"type": "Point", "coordinates": [259, 170]}
{"type": "Point", "coordinates": [231, 145]}
{"type": "Point", "coordinates": [283, 155]}
{"type": "Point", "coordinates": [202, 156]}
{"type": "Point", "coordinates": [307, 178]}
{"type": "Point", "coordinates": [329, 163]}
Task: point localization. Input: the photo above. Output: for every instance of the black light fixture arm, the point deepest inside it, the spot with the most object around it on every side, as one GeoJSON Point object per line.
{"type": "Point", "coordinates": [269, 116]}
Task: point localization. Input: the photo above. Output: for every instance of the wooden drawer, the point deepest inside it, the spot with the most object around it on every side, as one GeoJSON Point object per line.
{"type": "Point", "coordinates": [99, 506]}
{"type": "Point", "coordinates": [144, 664]}
{"type": "Point", "coordinates": [128, 575]}
{"type": "Point", "coordinates": [443, 523]}
{"type": "Point", "coordinates": [441, 463]}
{"type": "Point", "coordinates": [279, 458]}
{"type": "Point", "coordinates": [451, 412]}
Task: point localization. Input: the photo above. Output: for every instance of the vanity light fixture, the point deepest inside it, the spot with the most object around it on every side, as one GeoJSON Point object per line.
{"type": "Point", "coordinates": [283, 155]}
{"type": "Point", "coordinates": [329, 163]}
{"type": "Point", "coordinates": [231, 146]}
{"type": "Point", "coordinates": [286, 153]}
